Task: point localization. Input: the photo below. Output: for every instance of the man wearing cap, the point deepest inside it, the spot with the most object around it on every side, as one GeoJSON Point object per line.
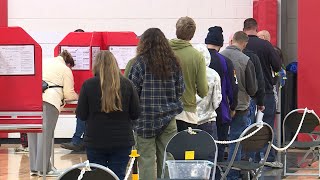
{"type": "Point", "coordinates": [229, 88]}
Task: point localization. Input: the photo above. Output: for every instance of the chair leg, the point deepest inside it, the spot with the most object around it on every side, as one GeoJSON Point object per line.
{"type": "Point", "coordinates": [305, 157]}
{"type": "Point", "coordinates": [314, 159]}
{"type": "Point", "coordinates": [285, 164]}
{"type": "Point", "coordinates": [318, 162]}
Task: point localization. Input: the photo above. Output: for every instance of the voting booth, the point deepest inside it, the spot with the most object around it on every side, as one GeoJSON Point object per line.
{"type": "Point", "coordinates": [83, 47]}
{"type": "Point", "coordinates": [20, 79]}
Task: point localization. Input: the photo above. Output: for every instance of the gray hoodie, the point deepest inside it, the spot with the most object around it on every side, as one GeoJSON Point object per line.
{"type": "Point", "coordinates": [246, 75]}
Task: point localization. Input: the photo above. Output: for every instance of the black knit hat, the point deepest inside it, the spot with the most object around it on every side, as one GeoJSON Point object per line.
{"type": "Point", "coordinates": [215, 36]}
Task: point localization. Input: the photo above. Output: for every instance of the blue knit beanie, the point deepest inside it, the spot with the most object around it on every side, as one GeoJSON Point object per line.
{"type": "Point", "coordinates": [215, 36]}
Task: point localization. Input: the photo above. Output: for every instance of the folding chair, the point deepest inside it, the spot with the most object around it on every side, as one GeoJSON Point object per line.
{"type": "Point", "coordinates": [196, 140]}
{"type": "Point", "coordinates": [98, 172]}
{"type": "Point", "coordinates": [252, 144]}
{"type": "Point", "coordinates": [291, 123]}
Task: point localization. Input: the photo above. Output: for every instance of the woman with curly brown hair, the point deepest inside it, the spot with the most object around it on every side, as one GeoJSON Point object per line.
{"type": "Point", "coordinates": [157, 76]}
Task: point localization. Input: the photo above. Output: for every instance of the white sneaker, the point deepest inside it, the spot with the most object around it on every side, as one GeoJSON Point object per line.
{"type": "Point", "coordinates": [275, 164]}
{"type": "Point", "coordinates": [21, 150]}
{"type": "Point", "coordinates": [51, 174]}
{"type": "Point", "coordinates": [34, 173]}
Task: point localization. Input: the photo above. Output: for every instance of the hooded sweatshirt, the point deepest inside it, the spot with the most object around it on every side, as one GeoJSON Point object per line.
{"type": "Point", "coordinates": [206, 106]}
{"type": "Point", "coordinates": [194, 73]}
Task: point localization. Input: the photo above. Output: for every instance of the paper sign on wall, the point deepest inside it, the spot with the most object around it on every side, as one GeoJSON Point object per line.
{"type": "Point", "coordinates": [94, 52]}
{"type": "Point", "coordinates": [123, 54]}
{"type": "Point", "coordinates": [17, 60]}
{"type": "Point", "coordinates": [81, 56]}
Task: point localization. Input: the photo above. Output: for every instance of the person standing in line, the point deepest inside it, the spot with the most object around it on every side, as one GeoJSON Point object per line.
{"type": "Point", "coordinates": [109, 104]}
{"type": "Point", "coordinates": [206, 107]}
{"type": "Point", "coordinates": [55, 72]}
{"type": "Point", "coordinates": [258, 98]}
{"type": "Point", "coordinates": [247, 84]}
{"type": "Point", "coordinates": [157, 76]}
{"type": "Point", "coordinates": [193, 69]}
{"type": "Point", "coordinates": [229, 88]}
{"type": "Point", "coordinates": [264, 34]}
{"type": "Point", "coordinates": [270, 61]}
{"type": "Point", "coordinates": [76, 143]}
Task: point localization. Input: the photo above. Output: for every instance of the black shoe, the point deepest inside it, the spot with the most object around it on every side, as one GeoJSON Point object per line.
{"type": "Point", "coordinates": [72, 146]}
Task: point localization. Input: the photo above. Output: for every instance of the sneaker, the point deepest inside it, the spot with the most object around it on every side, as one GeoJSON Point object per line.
{"type": "Point", "coordinates": [72, 146]}
{"type": "Point", "coordinates": [275, 164]}
{"type": "Point", "coordinates": [21, 150]}
{"type": "Point", "coordinates": [52, 173]}
{"type": "Point", "coordinates": [34, 173]}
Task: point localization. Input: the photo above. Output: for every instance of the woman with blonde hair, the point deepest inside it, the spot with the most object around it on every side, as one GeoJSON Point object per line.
{"type": "Point", "coordinates": [108, 103]}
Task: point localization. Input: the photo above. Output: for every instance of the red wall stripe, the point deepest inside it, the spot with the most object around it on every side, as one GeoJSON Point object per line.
{"type": "Point", "coordinates": [3, 13]}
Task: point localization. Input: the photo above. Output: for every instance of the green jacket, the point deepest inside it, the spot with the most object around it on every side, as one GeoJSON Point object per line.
{"type": "Point", "coordinates": [194, 72]}
{"type": "Point", "coordinates": [128, 68]}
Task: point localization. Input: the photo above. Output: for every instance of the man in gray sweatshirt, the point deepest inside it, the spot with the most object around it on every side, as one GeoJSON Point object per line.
{"type": "Point", "coordinates": [247, 85]}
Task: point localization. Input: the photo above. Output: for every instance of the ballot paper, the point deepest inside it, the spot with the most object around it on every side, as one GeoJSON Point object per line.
{"type": "Point", "coordinates": [80, 55]}
{"type": "Point", "coordinates": [16, 59]}
{"type": "Point", "coordinates": [94, 52]}
{"type": "Point", "coordinates": [123, 54]}
{"type": "Point", "coordinates": [259, 116]}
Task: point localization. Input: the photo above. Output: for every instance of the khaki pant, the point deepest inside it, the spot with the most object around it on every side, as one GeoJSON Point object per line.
{"type": "Point", "coordinates": [151, 152]}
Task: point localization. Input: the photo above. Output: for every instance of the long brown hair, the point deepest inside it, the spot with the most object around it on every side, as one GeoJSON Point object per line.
{"type": "Point", "coordinates": [154, 48]}
{"type": "Point", "coordinates": [107, 69]}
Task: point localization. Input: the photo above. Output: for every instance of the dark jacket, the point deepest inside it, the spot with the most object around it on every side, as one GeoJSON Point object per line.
{"type": "Point", "coordinates": [229, 88]}
{"type": "Point", "coordinates": [259, 96]}
{"type": "Point", "coordinates": [268, 59]}
{"type": "Point", "coordinates": [246, 76]}
{"type": "Point", "coordinates": [107, 130]}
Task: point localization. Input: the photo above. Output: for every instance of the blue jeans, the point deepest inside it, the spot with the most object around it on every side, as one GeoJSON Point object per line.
{"type": "Point", "coordinates": [80, 127]}
{"type": "Point", "coordinates": [251, 120]}
{"type": "Point", "coordinates": [238, 125]}
{"type": "Point", "coordinates": [269, 116]}
{"type": "Point", "coordinates": [116, 160]}
{"type": "Point", "coordinates": [222, 133]}
{"type": "Point", "coordinates": [252, 111]}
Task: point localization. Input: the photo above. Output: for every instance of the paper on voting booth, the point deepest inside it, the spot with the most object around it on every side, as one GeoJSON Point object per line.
{"type": "Point", "coordinates": [81, 56]}
{"type": "Point", "coordinates": [123, 54]}
{"type": "Point", "coordinates": [94, 52]}
{"type": "Point", "coordinates": [17, 60]}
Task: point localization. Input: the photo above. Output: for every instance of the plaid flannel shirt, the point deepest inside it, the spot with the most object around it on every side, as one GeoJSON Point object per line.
{"type": "Point", "coordinates": [159, 99]}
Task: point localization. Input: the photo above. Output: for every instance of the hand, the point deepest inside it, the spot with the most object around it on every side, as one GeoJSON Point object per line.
{"type": "Point", "coordinates": [232, 113]}
{"type": "Point", "coordinates": [261, 108]}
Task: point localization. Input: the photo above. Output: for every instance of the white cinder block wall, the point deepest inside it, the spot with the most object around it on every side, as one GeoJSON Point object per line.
{"type": "Point", "coordinates": [48, 21]}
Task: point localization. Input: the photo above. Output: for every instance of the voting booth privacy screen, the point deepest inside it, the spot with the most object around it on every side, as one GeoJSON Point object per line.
{"type": "Point", "coordinates": [84, 47]}
{"type": "Point", "coordinates": [20, 78]}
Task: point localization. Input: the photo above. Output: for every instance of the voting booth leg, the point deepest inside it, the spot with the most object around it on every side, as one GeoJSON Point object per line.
{"type": "Point", "coordinates": [278, 120]}
{"type": "Point", "coordinates": [44, 142]}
